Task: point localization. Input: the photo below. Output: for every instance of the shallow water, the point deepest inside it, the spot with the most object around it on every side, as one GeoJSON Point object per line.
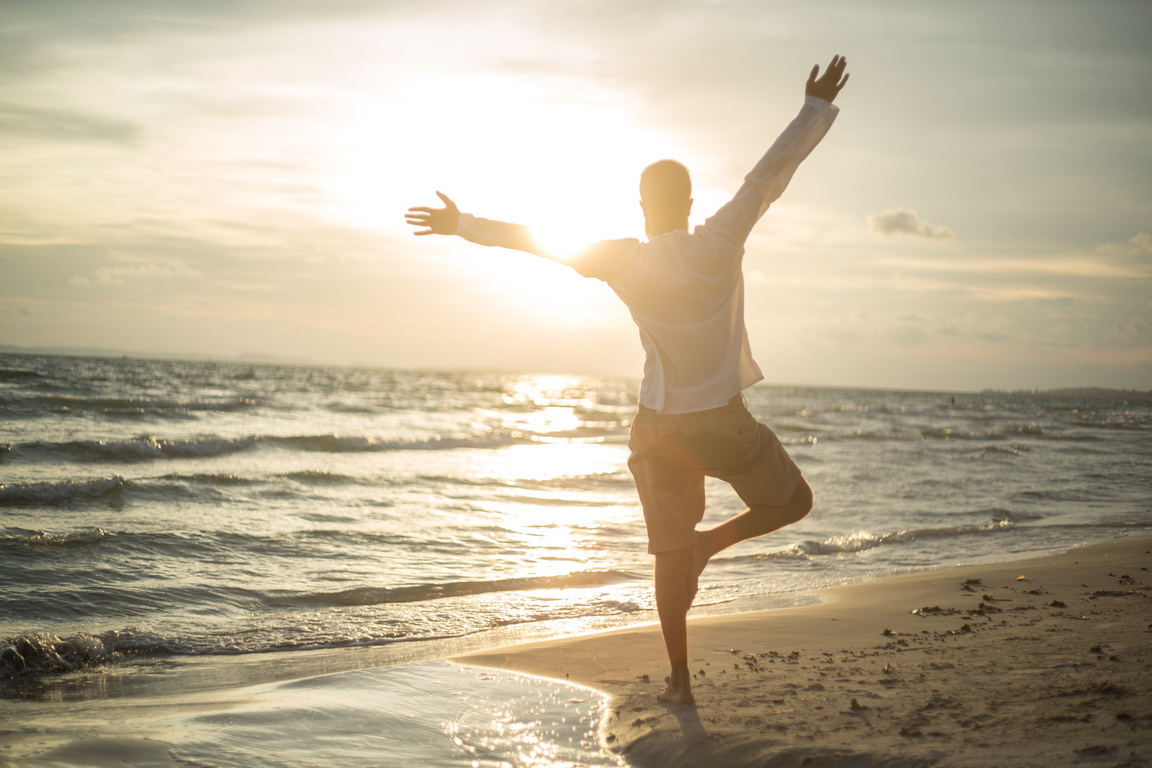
{"type": "Point", "coordinates": [431, 714]}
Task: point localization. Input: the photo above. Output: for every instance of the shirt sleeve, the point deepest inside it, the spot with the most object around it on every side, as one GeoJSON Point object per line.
{"type": "Point", "coordinates": [604, 260]}
{"type": "Point", "coordinates": [770, 176]}
{"type": "Point", "coordinates": [498, 234]}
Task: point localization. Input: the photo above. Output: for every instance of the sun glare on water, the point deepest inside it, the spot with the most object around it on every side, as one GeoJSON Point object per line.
{"type": "Point", "coordinates": [558, 445]}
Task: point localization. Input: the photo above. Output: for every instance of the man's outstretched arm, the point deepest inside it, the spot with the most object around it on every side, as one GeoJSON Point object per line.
{"type": "Point", "coordinates": [449, 221]}
{"type": "Point", "coordinates": [602, 260]}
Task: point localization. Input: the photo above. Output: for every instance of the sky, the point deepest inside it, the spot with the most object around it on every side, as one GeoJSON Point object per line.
{"type": "Point", "coordinates": [228, 178]}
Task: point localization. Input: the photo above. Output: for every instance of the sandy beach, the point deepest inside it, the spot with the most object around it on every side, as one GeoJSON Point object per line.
{"type": "Point", "coordinates": [1043, 662]}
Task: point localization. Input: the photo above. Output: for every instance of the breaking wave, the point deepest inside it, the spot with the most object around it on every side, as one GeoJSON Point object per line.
{"type": "Point", "coordinates": [148, 448]}
{"type": "Point", "coordinates": [63, 492]}
{"type": "Point", "coordinates": [422, 592]}
{"type": "Point", "coordinates": [860, 541]}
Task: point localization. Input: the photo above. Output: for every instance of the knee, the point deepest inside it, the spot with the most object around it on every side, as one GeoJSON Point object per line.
{"type": "Point", "coordinates": [801, 501]}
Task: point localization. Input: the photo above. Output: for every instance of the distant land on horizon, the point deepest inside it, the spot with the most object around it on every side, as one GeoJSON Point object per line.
{"type": "Point", "coordinates": [1083, 393]}
{"type": "Point", "coordinates": [243, 357]}
{"type": "Point", "coordinates": [261, 358]}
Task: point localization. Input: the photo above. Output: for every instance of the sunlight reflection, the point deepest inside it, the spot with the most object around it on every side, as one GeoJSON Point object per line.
{"type": "Point", "coordinates": [551, 409]}
{"type": "Point", "coordinates": [553, 461]}
{"type": "Point", "coordinates": [556, 499]}
{"type": "Point", "coordinates": [541, 425]}
{"type": "Point", "coordinates": [547, 389]}
{"type": "Point", "coordinates": [548, 726]}
{"type": "Point", "coordinates": [549, 540]}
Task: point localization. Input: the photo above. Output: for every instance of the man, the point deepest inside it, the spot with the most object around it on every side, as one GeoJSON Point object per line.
{"type": "Point", "coordinates": [686, 294]}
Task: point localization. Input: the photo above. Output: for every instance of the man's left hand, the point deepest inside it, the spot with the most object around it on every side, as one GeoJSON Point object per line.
{"type": "Point", "coordinates": [829, 84]}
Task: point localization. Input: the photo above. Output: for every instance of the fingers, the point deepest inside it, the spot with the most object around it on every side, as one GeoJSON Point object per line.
{"type": "Point", "coordinates": [839, 77]}
{"type": "Point", "coordinates": [836, 68]}
{"type": "Point", "coordinates": [420, 220]}
{"type": "Point", "coordinates": [428, 220]}
{"type": "Point", "coordinates": [433, 221]}
{"type": "Point", "coordinates": [832, 74]}
{"type": "Point", "coordinates": [835, 77]}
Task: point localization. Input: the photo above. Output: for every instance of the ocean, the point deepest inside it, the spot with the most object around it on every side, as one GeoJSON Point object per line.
{"type": "Point", "coordinates": [165, 510]}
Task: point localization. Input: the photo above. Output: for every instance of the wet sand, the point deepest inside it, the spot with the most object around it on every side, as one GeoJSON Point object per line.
{"type": "Point", "coordinates": [1042, 662]}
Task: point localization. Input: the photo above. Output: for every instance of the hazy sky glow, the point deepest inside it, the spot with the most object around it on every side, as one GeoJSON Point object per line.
{"type": "Point", "coordinates": [214, 178]}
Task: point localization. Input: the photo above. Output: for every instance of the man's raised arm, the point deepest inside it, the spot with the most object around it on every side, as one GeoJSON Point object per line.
{"type": "Point", "coordinates": [771, 175]}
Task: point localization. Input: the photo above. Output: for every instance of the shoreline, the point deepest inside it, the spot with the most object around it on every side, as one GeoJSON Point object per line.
{"type": "Point", "coordinates": [1048, 671]}
{"type": "Point", "coordinates": [967, 666]}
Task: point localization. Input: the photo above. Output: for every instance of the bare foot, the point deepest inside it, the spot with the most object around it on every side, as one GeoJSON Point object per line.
{"type": "Point", "coordinates": [676, 694]}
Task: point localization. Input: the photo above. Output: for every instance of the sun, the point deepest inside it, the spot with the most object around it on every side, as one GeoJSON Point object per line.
{"type": "Point", "coordinates": [562, 157]}
{"type": "Point", "coordinates": [557, 154]}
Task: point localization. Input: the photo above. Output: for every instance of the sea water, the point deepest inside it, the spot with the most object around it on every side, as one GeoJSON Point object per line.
{"type": "Point", "coordinates": [161, 509]}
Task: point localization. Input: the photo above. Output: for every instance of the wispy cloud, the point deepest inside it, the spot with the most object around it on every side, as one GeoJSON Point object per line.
{"type": "Point", "coordinates": [904, 221]}
{"type": "Point", "coordinates": [1133, 327]}
{"type": "Point", "coordinates": [138, 270]}
{"type": "Point", "coordinates": [55, 125]}
{"type": "Point", "coordinates": [1069, 265]}
{"type": "Point", "coordinates": [1137, 245]}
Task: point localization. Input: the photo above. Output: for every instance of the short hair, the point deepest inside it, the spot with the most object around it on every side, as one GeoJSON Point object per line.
{"type": "Point", "coordinates": [665, 183]}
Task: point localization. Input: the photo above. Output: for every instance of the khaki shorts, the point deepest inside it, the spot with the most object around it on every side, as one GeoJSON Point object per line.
{"type": "Point", "coordinates": [671, 454]}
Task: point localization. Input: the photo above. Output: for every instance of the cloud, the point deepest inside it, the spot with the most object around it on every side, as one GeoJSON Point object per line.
{"type": "Point", "coordinates": [908, 335]}
{"type": "Point", "coordinates": [1137, 245]}
{"type": "Point", "coordinates": [61, 125]}
{"type": "Point", "coordinates": [1134, 327]}
{"type": "Point", "coordinates": [903, 221]}
{"type": "Point", "coordinates": [134, 272]}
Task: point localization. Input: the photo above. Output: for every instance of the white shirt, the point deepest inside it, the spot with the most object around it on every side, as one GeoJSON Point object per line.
{"type": "Point", "coordinates": [686, 291]}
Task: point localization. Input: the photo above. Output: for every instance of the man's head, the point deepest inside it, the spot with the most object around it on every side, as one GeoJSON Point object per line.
{"type": "Point", "coordinates": [665, 196]}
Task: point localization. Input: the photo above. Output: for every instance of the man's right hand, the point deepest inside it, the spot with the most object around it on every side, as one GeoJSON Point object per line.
{"type": "Point", "coordinates": [830, 83]}
{"type": "Point", "coordinates": [437, 221]}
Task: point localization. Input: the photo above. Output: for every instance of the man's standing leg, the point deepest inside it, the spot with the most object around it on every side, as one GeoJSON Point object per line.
{"type": "Point", "coordinates": [672, 496]}
{"type": "Point", "coordinates": [673, 598]}
{"type": "Point", "coordinates": [678, 571]}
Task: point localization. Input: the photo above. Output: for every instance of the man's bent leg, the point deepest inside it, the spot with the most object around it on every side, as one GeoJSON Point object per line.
{"type": "Point", "coordinates": [752, 522]}
{"type": "Point", "coordinates": [672, 577]}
